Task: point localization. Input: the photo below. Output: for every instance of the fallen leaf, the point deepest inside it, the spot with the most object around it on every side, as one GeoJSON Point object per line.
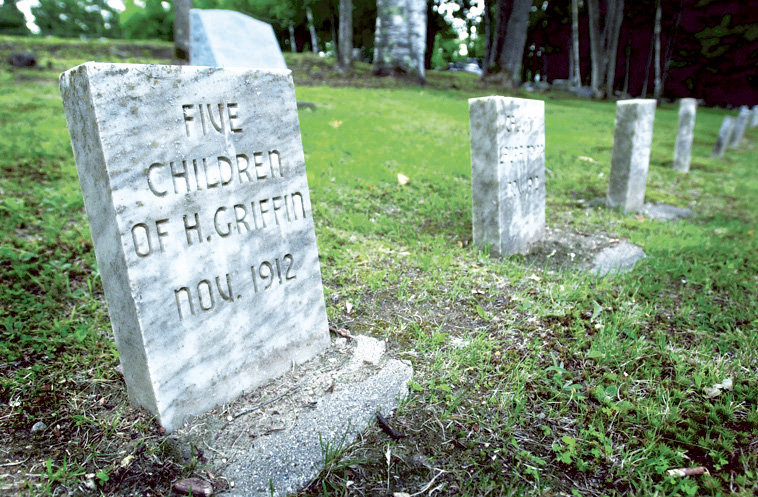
{"type": "Point", "coordinates": [402, 179]}
{"type": "Point", "coordinates": [127, 461]}
{"type": "Point", "coordinates": [198, 487]}
{"type": "Point", "coordinates": [716, 389]}
{"type": "Point", "coordinates": [696, 471]}
{"type": "Point", "coordinates": [335, 124]}
{"type": "Point", "coordinates": [534, 277]}
{"type": "Point", "coordinates": [586, 159]}
{"type": "Point", "coordinates": [639, 217]}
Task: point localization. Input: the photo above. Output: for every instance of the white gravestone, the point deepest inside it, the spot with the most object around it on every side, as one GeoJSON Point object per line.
{"type": "Point", "coordinates": [632, 139]}
{"type": "Point", "coordinates": [754, 117]}
{"type": "Point", "coordinates": [224, 38]}
{"type": "Point", "coordinates": [400, 37]}
{"type": "Point", "coordinates": [725, 136]}
{"type": "Point", "coordinates": [740, 126]}
{"type": "Point", "coordinates": [507, 172]}
{"type": "Point", "coordinates": [685, 134]}
{"type": "Point", "coordinates": [194, 183]}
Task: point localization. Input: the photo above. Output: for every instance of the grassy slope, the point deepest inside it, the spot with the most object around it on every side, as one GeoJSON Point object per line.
{"type": "Point", "coordinates": [526, 381]}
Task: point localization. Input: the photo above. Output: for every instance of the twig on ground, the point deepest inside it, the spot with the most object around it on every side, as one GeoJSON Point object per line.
{"type": "Point", "coordinates": [696, 471]}
{"type": "Point", "coordinates": [342, 333]}
{"type": "Point", "coordinates": [393, 433]}
{"type": "Point", "coordinates": [264, 404]}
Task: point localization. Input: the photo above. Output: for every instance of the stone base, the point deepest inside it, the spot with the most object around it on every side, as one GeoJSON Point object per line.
{"type": "Point", "coordinates": [659, 212]}
{"type": "Point", "coordinates": [273, 440]}
{"type": "Point", "coordinates": [592, 252]}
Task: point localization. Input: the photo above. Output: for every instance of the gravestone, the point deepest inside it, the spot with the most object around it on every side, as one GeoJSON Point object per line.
{"type": "Point", "coordinates": [754, 117]}
{"type": "Point", "coordinates": [683, 147]}
{"type": "Point", "coordinates": [195, 188]}
{"type": "Point", "coordinates": [182, 29]}
{"type": "Point", "coordinates": [740, 126]}
{"type": "Point", "coordinates": [224, 38]}
{"type": "Point", "coordinates": [507, 172]}
{"type": "Point", "coordinates": [632, 139]}
{"type": "Point", "coordinates": [400, 37]}
{"type": "Point", "coordinates": [725, 136]}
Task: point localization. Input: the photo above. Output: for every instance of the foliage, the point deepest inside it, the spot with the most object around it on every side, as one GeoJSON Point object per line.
{"type": "Point", "coordinates": [12, 21]}
{"type": "Point", "coordinates": [152, 21]}
{"type": "Point", "coordinates": [76, 18]}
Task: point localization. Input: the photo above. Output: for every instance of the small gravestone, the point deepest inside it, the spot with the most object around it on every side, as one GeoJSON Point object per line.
{"type": "Point", "coordinates": [195, 188]}
{"type": "Point", "coordinates": [182, 29]}
{"type": "Point", "coordinates": [224, 38]}
{"type": "Point", "coordinates": [683, 147]}
{"type": "Point", "coordinates": [400, 37]}
{"type": "Point", "coordinates": [632, 139]}
{"type": "Point", "coordinates": [754, 117]}
{"type": "Point", "coordinates": [507, 172]}
{"type": "Point", "coordinates": [725, 136]}
{"type": "Point", "coordinates": [740, 126]}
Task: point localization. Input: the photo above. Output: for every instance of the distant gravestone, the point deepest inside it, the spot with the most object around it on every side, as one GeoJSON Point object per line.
{"type": "Point", "coordinates": [400, 37]}
{"type": "Point", "coordinates": [182, 29]}
{"type": "Point", "coordinates": [725, 136]}
{"type": "Point", "coordinates": [754, 117]}
{"type": "Point", "coordinates": [507, 172]}
{"type": "Point", "coordinates": [195, 188]}
{"type": "Point", "coordinates": [740, 126]}
{"type": "Point", "coordinates": [632, 139]}
{"type": "Point", "coordinates": [685, 135]}
{"type": "Point", "coordinates": [224, 38]}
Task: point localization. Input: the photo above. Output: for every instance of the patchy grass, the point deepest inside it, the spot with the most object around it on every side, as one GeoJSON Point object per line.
{"type": "Point", "coordinates": [527, 381]}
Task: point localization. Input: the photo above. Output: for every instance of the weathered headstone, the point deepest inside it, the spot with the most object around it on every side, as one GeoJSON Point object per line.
{"type": "Point", "coordinates": [754, 117]}
{"type": "Point", "coordinates": [507, 172]}
{"type": "Point", "coordinates": [685, 135]}
{"type": "Point", "coordinates": [400, 37]}
{"type": "Point", "coordinates": [224, 38]}
{"type": "Point", "coordinates": [632, 139]}
{"type": "Point", "coordinates": [740, 126]}
{"type": "Point", "coordinates": [725, 136]}
{"type": "Point", "coordinates": [195, 188]}
{"type": "Point", "coordinates": [182, 29]}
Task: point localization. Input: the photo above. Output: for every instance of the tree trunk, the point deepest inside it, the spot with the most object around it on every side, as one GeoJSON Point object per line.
{"type": "Point", "coordinates": [345, 59]}
{"type": "Point", "coordinates": [604, 38]}
{"type": "Point", "coordinates": [312, 28]}
{"type": "Point", "coordinates": [502, 13]}
{"type": "Point", "coordinates": [293, 42]}
{"type": "Point", "coordinates": [657, 35]}
{"type": "Point", "coordinates": [576, 74]}
{"type": "Point", "coordinates": [487, 35]}
{"type": "Point", "coordinates": [512, 55]}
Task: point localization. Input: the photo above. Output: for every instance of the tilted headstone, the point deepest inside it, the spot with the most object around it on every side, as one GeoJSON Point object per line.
{"type": "Point", "coordinates": [740, 126]}
{"type": "Point", "coordinates": [182, 29]}
{"type": "Point", "coordinates": [224, 38]}
{"type": "Point", "coordinates": [725, 136]}
{"type": "Point", "coordinates": [754, 117]}
{"type": "Point", "coordinates": [507, 172]}
{"type": "Point", "coordinates": [685, 135]}
{"type": "Point", "coordinates": [632, 139]}
{"type": "Point", "coordinates": [400, 37]}
{"type": "Point", "coordinates": [194, 183]}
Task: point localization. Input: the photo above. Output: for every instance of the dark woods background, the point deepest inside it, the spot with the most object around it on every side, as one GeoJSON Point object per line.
{"type": "Point", "coordinates": [708, 48]}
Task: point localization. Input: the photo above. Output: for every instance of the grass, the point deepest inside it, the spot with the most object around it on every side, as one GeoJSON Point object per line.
{"type": "Point", "coordinates": [526, 381]}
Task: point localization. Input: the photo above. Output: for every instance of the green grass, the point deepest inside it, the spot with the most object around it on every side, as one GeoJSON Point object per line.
{"type": "Point", "coordinates": [526, 381]}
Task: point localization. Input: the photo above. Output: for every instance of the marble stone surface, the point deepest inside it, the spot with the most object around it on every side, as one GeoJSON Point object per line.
{"type": "Point", "coordinates": [754, 117]}
{"type": "Point", "coordinates": [400, 37]}
{"type": "Point", "coordinates": [194, 183]}
{"type": "Point", "coordinates": [507, 172]}
{"type": "Point", "coordinates": [182, 29]}
{"type": "Point", "coordinates": [632, 139]}
{"type": "Point", "coordinates": [724, 138]}
{"type": "Point", "coordinates": [224, 38]}
{"type": "Point", "coordinates": [685, 135]}
{"type": "Point", "coordinates": [740, 126]}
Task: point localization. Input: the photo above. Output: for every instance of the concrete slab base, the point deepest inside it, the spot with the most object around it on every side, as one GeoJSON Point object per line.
{"type": "Point", "coordinates": [275, 440]}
